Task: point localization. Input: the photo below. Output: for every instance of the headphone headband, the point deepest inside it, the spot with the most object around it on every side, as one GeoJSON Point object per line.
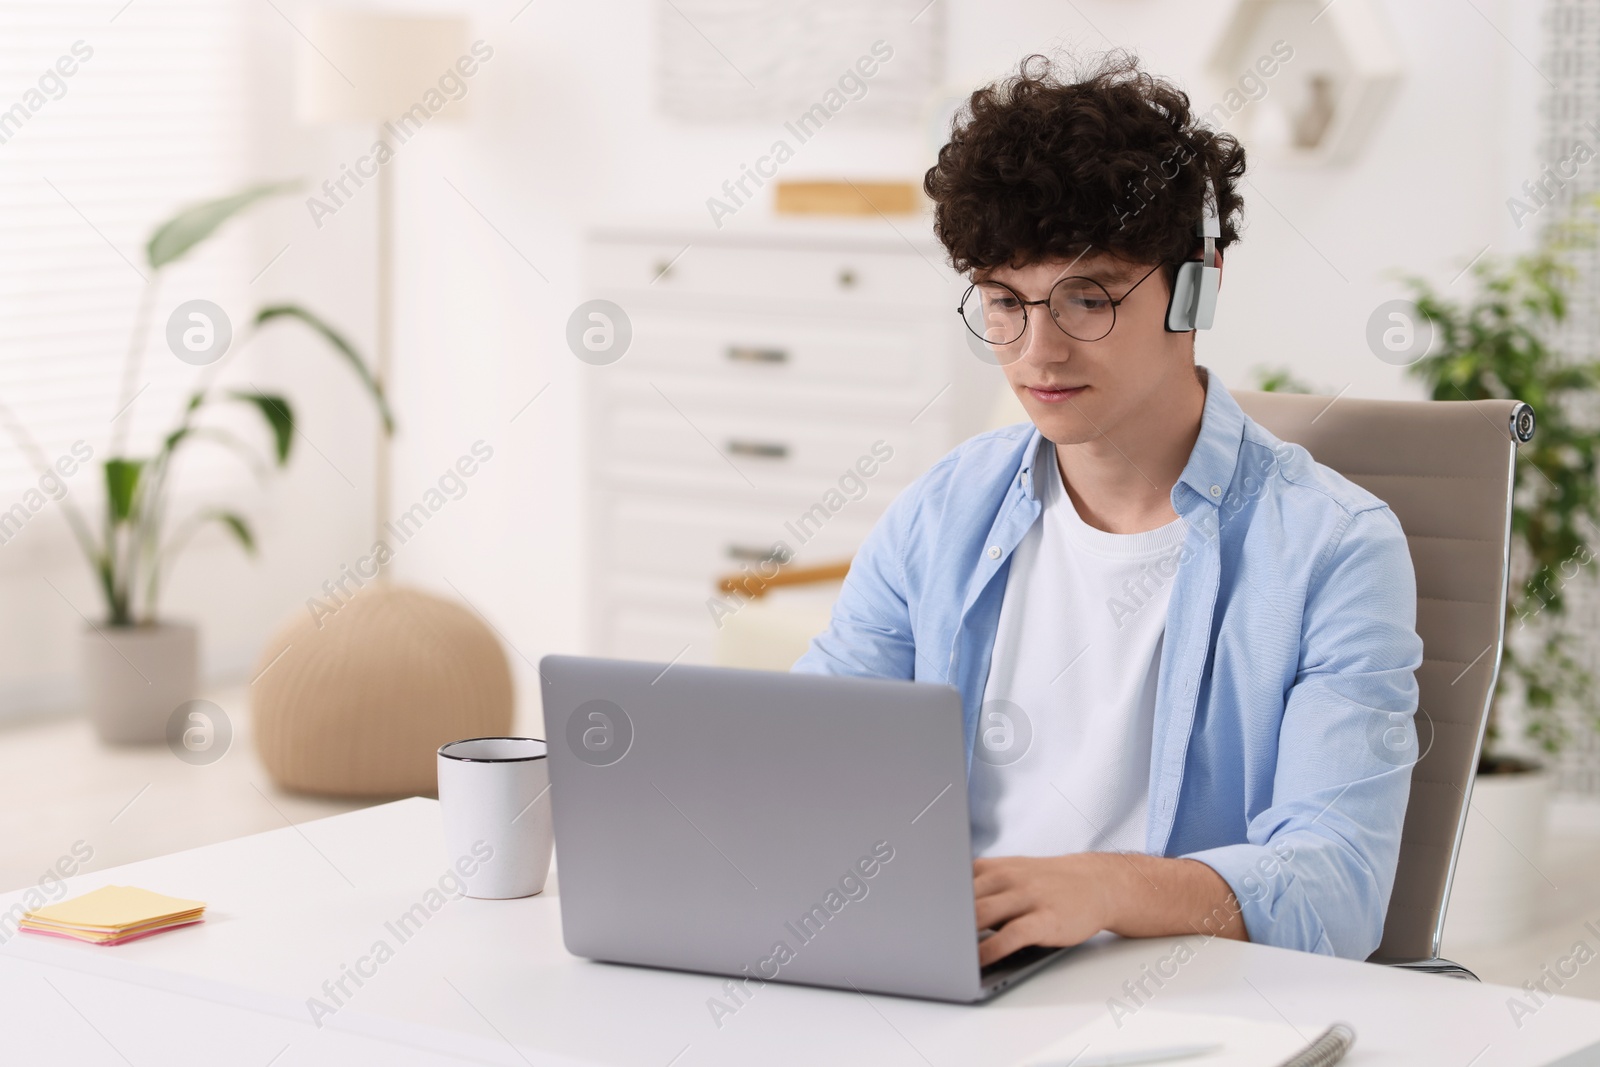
{"type": "Point", "coordinates": [1208, 226]}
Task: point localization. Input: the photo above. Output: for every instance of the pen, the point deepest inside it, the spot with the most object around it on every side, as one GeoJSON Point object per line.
{"type": "Point", "coordinates": [1131, 1056]}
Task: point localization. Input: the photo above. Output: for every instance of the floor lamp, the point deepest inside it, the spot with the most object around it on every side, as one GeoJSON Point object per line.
{"type": "Point", "coordinates": [384, 71]}
{"type": "Point", "coordinates": [363, 698]}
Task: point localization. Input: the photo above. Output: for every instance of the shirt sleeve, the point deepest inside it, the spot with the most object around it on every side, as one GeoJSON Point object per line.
{"type": "Point", "coordinates": [869, 633]}
{"type": "Point", "coordinates": [1318, 864]}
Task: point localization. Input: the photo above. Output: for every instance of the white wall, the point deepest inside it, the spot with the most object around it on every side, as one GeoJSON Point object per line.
{"type": "Point", "coordinates": [563, 133]}
{"type": "Point", "coordinates": [567, 135]}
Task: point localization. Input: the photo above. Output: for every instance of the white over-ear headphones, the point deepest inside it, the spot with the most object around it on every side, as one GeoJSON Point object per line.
{"type": "Point", "coordinates": [1194, 289]}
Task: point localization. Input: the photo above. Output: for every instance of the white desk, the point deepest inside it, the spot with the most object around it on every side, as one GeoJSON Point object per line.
{"type": "Point", "coordinates": [291, 908]}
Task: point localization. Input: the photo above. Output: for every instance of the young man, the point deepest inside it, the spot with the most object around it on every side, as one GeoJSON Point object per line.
{"type": "Point", "coordinates": [1177, 639]}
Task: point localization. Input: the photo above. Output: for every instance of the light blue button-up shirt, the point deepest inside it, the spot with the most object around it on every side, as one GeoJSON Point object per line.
{"type": "Point", "coordinates": [1283, 736]}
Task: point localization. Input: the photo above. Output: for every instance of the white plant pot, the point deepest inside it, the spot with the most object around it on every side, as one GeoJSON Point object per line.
{"type": "Point", "coordinates": [1497, 880]}
{"type": "Point", "coordinates": [134, 677]}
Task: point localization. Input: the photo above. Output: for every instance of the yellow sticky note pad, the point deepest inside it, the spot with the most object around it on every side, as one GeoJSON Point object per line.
{"type": "Point", "coordinates": [115, 908]}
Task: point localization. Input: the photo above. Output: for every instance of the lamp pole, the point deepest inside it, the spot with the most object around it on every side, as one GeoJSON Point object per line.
{"type": "Point", "coordinates": [383, 356]}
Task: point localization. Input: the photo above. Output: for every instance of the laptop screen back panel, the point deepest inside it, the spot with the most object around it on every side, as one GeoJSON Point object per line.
{"type": "Point", "coordinates": [780, 827]}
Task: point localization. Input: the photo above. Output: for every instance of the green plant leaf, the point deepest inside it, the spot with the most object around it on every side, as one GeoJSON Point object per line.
{"type": "Point", "coordinates": [232, 520]}
{"type": "Point", "coordinates": [221, 437]}
{"type": "Point", "coordinates": [279, 415]}
{"type": "Point", "coordinates": [1280, 380]}
{"type": "Point", "coordinates": [122, 482]}
{"type": "Point", "coordinates": [343, 347]}
{"type": "Point", "coordinates": [173, 238]}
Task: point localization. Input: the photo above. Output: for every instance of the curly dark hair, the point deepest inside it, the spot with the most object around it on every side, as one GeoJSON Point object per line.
{"type": "Point", "coordinates": [1040, 166]}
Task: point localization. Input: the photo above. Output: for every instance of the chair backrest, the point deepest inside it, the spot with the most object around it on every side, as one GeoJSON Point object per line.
{"type": "Point", "coordinates": [1446, 469]}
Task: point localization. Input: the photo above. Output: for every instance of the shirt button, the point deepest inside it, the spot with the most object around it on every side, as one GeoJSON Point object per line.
{"type": "Point", "coordinates": [1216, 490]}
{"type": "Point", "coordinates": [994, 551]}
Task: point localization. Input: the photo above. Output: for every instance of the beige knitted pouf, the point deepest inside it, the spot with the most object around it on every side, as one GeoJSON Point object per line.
{"type": "Point", "coordinates": [359, 705]}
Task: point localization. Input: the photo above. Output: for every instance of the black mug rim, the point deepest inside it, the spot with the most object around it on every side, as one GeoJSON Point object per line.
{"type": "Point", "coordinates": [494, 759]}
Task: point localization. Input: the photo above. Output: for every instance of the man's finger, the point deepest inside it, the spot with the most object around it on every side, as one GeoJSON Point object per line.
{"type": "Point", "coordinates": [1006, 940]}
{"type": "Point", "coordinates": [992, 879]}
{"type": "Point", "coordinates": [1001, 908]}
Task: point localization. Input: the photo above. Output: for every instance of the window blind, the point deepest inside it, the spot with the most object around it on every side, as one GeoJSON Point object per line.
{"type": "Point", "coordinates": [1570, 115]}
{"type": "Point", "coordinates": [151, 117]}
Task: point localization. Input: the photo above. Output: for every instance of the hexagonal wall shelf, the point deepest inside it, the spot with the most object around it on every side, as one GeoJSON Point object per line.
{"type": "Point", "coordinates": [1303, 81]}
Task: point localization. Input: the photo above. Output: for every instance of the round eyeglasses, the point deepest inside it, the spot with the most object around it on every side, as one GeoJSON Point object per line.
{"type": "Point", "coordinates": [1080, 307]}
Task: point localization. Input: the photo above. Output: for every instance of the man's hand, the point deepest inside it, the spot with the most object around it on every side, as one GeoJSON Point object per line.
{"type": "Point", "coordinates": [1065, 900]}
{"type": "Point", "coordinates": [1053, 900]}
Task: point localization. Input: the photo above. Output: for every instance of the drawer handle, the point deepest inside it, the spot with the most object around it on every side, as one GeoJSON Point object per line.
{"type": "Point", "coordinates": [760, 449]}
{"type": "Point", "coordinates": [752, 554]}
{"type": "Point", "coordinates": [754, 354]}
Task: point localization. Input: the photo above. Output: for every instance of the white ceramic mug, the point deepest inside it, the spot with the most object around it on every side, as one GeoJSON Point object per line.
{"type": "Point", "coordinates": [494, 794]}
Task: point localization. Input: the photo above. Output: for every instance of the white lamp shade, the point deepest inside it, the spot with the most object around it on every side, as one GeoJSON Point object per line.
{"type": "Point", "coordinates": [371, 66]}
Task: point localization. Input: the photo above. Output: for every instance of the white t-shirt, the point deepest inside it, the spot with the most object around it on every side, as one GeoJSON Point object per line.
{"type": "Point", "coordinates": [1062, 762]}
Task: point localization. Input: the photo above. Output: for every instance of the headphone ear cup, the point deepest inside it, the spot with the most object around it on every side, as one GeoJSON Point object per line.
{"type": "Point", "coordinates": [1181, 302]}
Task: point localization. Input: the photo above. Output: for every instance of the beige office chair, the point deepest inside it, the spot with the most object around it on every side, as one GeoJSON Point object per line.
{"type": "Point", "coordinates": [1446, 469]}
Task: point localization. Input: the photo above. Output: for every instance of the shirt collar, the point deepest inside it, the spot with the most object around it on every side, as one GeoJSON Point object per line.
{"type": "Point", "coordinates": [1212, 462]}
{"type": "Point", "coordinates": [1030, 463]}
{"type": "Point", "coordinates": [1215, 457]}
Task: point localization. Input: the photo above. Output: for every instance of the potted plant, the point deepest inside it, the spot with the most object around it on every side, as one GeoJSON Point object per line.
{"type": "Point", "coordinates": [138, 666]}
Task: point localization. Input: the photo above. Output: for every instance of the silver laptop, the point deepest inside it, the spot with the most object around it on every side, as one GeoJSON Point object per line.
{"type": "Point", "coordinates": [767, 826]}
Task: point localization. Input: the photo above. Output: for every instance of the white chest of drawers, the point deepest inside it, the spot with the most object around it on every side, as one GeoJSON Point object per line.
{"type": "Point", "coordinates": [782, 385]}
